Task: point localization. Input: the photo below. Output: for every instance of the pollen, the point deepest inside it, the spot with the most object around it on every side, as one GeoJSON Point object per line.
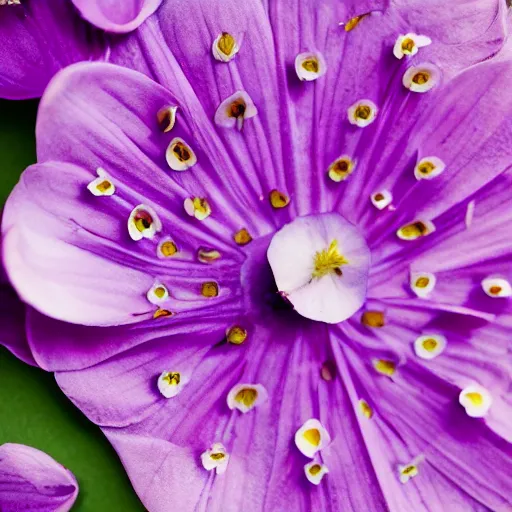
{"type": "Point", "coordinates": [207, 255]}
{"type": "Point", "coordinates": [166, 118]}
{"type": "Point", "coordinates": [242, 237]}
{"type": "Point", "coordinates": [102, 185]}
{"type": "Point", "coordinates": [278, 199]}
{"type": "Point", "coordinates": [384, 366]}
{"type": "Point", "coordinates": [210, 289]}
{"type": "Point", "coordinates": [225, 47]}
{"type": "Point", "coordinates": [352, 23]}
{"type": "Point", "coordinates": [373, 319]}
{"type": "Point", "coordinates": [245, 397]}
{"type": "Point", "coordinates": [179, 155]}
{"type": "Point", "coordinates": [415, 230]}
{"type": "Point", "coordinates": [365, 409]}
{"type": "Point", "coordinates": [328, 261]}
{"type": "Point", "coordinates": [310, 66]}
{"type": "Point", "coordinates": [422, 283]}
{"type": "Point", "coordinates": [312, 436]}
{"type": "Point", "coordinates": [166, 249]}
{"type": "Point", "coordinates": [172, 378]}
{"type": "Point", "coordinates": [197, 207]}
{"type": "Point", "coordinates": [428, 168]}
{"type": "Point", "coordinates": [143, 223]}
{"type": "Point", "coordinates": [381, 199]}
{"type": "Point", "coordinates": [215, 458]}
{"type": "Point", "coordinates": [362, 113]}
{"type": "Point", "coordinates": [170, 383]}
{"type": "Point", "coordinates": [236, 335]}
{"type": "Point", "coordinates": [407, 472]}
{"type": "Point", "coordinates": [497, 287]}
{"type": "Point", "coordinates": [315, 471]}
{"type": "Point", "coordinates": [161, 313]}
{"type": "Point", "coordinates": [429, 346]}
{"type": "Point", "coordinates": [476, 400]}
{"type": "Point", "coordinates": [421, 78]}
{"type": "Point", "coordinates": [341, 169]}
{"type": "Point", "coordinates": [158, 293]}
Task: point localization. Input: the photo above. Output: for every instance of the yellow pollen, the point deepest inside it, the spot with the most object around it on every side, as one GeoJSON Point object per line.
{"type": "Point", "coordinates": [217, 456]}
{"type": "Point", "coordinates": [384, 366]}
{"type": "Point", "coordinates": [341, 169]}
{"type": "Point", "coordinates": [408, 45]}
{"type": "Point", "coordinates": [207, 255]}
{"type": "Point", "coordinates": [103, 186]}
{"type": "Point", "coordinates": [352, 23]}
{"type": "Point", "coordinates": [160, 291]}
{"type": "Point", "coordinates": [426, 168]}
{"type": "Point", "coordinates": [168, 249]}
{"type": "Point", "coordinates": [181, 152]}
{"type": "Point", "coordinates": [430, 344]}
{"type": "Point", "coordinates": [278, 199]}
{"type": "Point", "coordinates": [365, 409]}
{"type": "Point", "coordinates": [422, 282]}
{"type": "Point", "coordinates": [312, 436]}
{"type": "Point", "coordinates": [315, 469]}
{"type": "Point", "coordinates": [172, 378]}
{"type": "Point", "coordinates": [420, 78]}
{"type": "Point", "coordinates": [210, 289]}
{"type": "Point", "coordinates": [242, 237]}
{"type": "Point", "coordinates": [495, 290]}
{"type": "Point", "coordinates": [226, 44]}
{"type": "Point", "coordinates": [475, 398]}
{"type": "Point", "coordinates": [247, 396]}
{"type": "Point", "coordinates": [142, 220]}
{"type": "Point", "coordinates": [201, 205]}
{"type": "Point", "coordinates": [409, 469]}
{"type": "Point", "coordinates": [160, 313]}
{"type": "Point", "coordinates": [363, 112]}
{"type": "Point", "coordinates": [166, 118]}
{"type": "Point", "coordinates": [311, 65]}
{"type": "Point", "coordinates": [329, 260]}
{"type": "Point", "coordinates": [236, 335]}
{"type": "Point", "coordinates": [373, 319]}
{"type": "Point", "coordinates": [414, 230]}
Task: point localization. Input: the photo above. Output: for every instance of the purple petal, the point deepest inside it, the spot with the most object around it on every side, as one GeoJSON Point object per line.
{"type": "Point", "coordinates": [32, 480]}
{"type": "Point", "coordinates": [41, 38]}
{"type": "Point", "coordinates": [114, 16]}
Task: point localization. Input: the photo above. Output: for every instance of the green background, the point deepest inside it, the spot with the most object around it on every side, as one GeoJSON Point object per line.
{"type": "Point", "coordinates": [33, 410]}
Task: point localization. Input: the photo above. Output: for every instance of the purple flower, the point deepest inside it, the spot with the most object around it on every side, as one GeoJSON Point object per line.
{"type": "Point", "coordinates": [280, 279]}
{"type": "Point", "coordinates": [41, 37]}
{"type": "Point", "coordinates": [32, 480]}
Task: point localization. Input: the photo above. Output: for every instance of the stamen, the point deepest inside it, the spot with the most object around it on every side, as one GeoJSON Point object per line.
{"type": "Point", "coordinates": [225, 47]}
{"type": "Point", "coordinates": [497, 287]}
{"type": "Point", "coordinates": [341, 168]}
{"type": "Point", "coordinates": [310, 66]}
{"type": "Point", "coordinates": [216, 458]}
{"type": "Point", "coordinates": [384, 366]}
{"type": "Point", "coordinates": [407, 472]}
{"type": "Point", "coordinates": [166, 118]}
{"type": "Point", "coordinates": [143, 223]}
{"type": "Point", "coordinates": [234, 110]}
{"type": "Point", "coordinates": [476, 400]}
{"type": "Point", "coordinates": [428, 168]}
{"type": "Point", "coordinates": [242, 237]}
{"type": "Point", "coordinates": [166, 248]}
{"type": "Point", "coordinates": [179, 155]}
{"type": "Point", "coordinates": [315, 471]}
{"type": "Point", "coordinates": [170, 383]}
{"type": "Point", "coordinates": [329, 261]}
{"type": "Point", "coordinates": [311, 438]}
{"type": "Point", "coordinates": [373, 319]}
{"type": "Point", "coordinates": [236, 335]}
{"type": "Point", "coordinates": [362, 113]}
{"type": "Point", "coordinates": [162, 313]}
{"type": "Point", "coordinates": [381, 199]}
{"type": "Point", "coordinates": [197, 207]}
{"type": "Point", "coordinates": [422, 283]}
{"type": "Point", "coordinates": [421, 78]}
{"type": "Point", "coordinates": [429, 346]}
{"type": "Point", "coordinates": [365, 408]}
{"type": "Point", "coordinates": [206, 255]}
{"type": "Point", "coordinates": [210, 289]}
{"type": "Point", "coordinates": [245, 397]}
{"type": "Point", "coordinates": [102, 185]}
{"type": "Point", "coordinates": [352, 23]}
{"type": "Point", "coordinates": [409, 44]}
{"type": "Point", "coordinates": [328, 371]}
{"type": "Point", "coordinates": [158, 293]}
{"type": "Point", "coordinates": [278, 199]}
{"type": "Point", "coordinates": [415, 230]}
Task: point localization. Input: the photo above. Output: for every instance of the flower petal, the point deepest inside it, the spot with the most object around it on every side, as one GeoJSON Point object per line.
{"type": "Point", "coordinates": [41, 38]}
{"type": "Point", "coordinates": [33, 479]}
{"type": "Point", "coordinates": [114, 16]}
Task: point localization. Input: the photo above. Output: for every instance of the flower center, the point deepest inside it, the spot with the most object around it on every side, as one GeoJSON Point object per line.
{"type": "Point", "coordinates": [320, 265]}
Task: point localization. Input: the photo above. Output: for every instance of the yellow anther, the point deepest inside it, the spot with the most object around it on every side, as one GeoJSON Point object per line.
{"type": "Point", "coordinates": [373, 319]}
{"type": "Point", "coordinates": [329, 260]}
